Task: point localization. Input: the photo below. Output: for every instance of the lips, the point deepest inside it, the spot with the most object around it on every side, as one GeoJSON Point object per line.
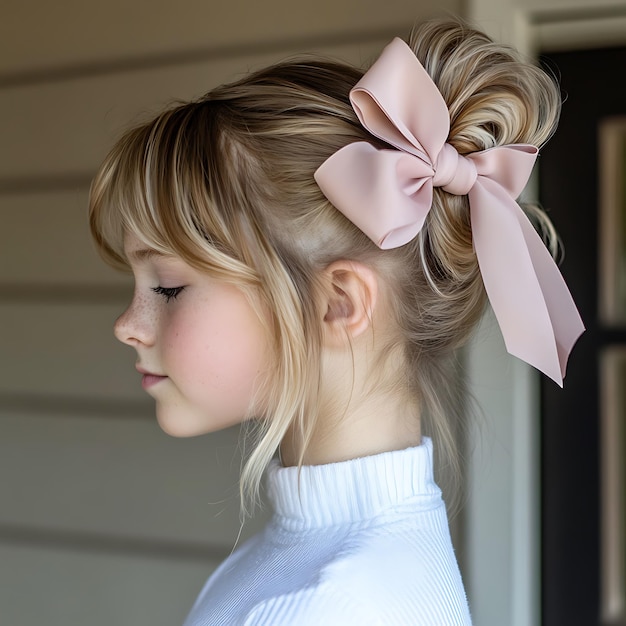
{"type": "Point", "coordinates": [149, 379]}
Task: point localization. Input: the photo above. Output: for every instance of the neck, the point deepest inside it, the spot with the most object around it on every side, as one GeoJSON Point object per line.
{"type": "Point", "coordinates": [371, 422]}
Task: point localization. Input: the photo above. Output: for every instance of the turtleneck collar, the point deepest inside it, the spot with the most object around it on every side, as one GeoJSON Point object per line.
{"type": "Point", "coordinates": [315, 496]}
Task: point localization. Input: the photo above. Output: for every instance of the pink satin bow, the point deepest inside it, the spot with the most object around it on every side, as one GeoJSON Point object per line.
{"type": "Point", "coordinates": [387, 193]}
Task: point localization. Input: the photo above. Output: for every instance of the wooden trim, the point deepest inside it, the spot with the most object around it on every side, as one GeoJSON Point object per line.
{"type": "Point", "coordinates": [210, 53]}
{"type": "Point", "coordinates": [611, 134]}
{"type": "Point", "coordinates": [77, 181]}
{"type": "Point", "coordinates": [49, 405]}
{"type": "Point", "coordinates": [101, 543]}
{"type": "Point", "coordinates": [613, 472]}
{"type": "Point", "coordinates": [48, 293]}
{"type": "Point", "coordinates": [579, 34]}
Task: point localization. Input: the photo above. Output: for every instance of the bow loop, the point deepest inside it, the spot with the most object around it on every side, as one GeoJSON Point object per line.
{"type": "Point", "coordinates": [393, 114]}
{"type": "Point", "coordinates": [510, 166]}
{"type": "Point", "coordinates": [383, 178]}
{"type": "Point", "coordinates": [388, 194]}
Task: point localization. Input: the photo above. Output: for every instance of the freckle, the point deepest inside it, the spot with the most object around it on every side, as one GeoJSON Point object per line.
{"type": "Point", "coordinates": [144, 308]}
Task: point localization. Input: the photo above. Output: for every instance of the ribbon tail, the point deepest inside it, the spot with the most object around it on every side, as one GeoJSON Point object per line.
{"type": "Point", "coordinates": [563, 312]}
{"type": "Point", "coordinates": [534, 308]}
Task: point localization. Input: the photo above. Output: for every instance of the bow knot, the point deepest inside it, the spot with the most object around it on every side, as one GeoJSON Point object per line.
{"type": "Point", "coordinates": [387, 193]}
{"type": "Point", "coordinates": [455, 173]}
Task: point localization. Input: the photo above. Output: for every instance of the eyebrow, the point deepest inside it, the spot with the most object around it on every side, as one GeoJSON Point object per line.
{"type": "Point", "coordinates": [144, 254]}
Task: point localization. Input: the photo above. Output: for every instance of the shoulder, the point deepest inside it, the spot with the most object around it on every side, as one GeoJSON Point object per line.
{"type": "Point", "coordinates": [375, 579]}
{"type": "Point", "coordinates": [413, 573]}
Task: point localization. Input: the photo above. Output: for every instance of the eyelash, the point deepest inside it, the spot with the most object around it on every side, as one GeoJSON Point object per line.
{"type": "Point", "coordinates": [168, 293]}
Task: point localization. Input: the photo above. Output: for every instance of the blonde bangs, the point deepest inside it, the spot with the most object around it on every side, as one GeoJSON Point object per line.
{"type": "Point", "coordinates": [157, 184]}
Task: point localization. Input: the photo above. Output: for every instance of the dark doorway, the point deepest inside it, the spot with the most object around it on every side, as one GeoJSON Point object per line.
{"type": "Point", "coordinates": [594, 84]}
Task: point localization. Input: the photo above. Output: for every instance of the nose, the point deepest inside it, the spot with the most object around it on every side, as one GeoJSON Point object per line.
{"type": "Point", "coordinates": [136, 325]}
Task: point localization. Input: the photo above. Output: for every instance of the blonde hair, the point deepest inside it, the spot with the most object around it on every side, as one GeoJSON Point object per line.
{"type": "Point", "coordinates": [226, 183]}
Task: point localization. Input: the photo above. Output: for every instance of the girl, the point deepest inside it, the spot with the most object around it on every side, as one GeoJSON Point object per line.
{"type": "Point", "coordinates": [309, 246]}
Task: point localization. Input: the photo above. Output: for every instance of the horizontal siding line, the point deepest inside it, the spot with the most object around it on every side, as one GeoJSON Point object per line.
{"type": "Point", "coordinates": [50, 405]}
{"type": "Point", "coordinates": [100, 543]}
{"type": "Point", "coordinates": [574, 14]}
{"type": "Point", "coordinates": [212, 53]}
{"type": "Point", "coordinates": [15, 185]}
{"type": "Point", "coordinates": [55, 294]}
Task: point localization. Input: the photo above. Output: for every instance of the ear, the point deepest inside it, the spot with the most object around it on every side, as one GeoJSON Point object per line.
{"type": "Point", "coordinates": [350, 294]}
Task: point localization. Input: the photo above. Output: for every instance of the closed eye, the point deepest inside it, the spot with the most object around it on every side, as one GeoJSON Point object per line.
{"type": "Point", "coordinates": [168, 293]}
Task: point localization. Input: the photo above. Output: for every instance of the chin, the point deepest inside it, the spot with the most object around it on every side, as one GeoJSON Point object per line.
{"type": "Point", "coordinates": [176, 424]}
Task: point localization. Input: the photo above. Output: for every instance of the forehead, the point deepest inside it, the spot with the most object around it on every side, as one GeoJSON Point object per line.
{"type": "Point", "coordinates": [137, 250]}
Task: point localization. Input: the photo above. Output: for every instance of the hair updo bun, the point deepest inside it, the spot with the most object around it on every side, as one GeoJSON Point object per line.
{"type": "Point", "coordinates": [494, 97]}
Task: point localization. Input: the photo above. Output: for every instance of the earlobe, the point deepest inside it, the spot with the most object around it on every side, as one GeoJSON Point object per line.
{"type": "Point", "coordinates": [351, 290]}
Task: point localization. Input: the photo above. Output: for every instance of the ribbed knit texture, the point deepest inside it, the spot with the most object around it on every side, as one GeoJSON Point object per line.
{"type": "Point", "coordinates": [363, 542]}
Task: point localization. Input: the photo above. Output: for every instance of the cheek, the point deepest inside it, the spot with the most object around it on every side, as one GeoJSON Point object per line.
{"type": "Point", "coordinates": [219, 347]}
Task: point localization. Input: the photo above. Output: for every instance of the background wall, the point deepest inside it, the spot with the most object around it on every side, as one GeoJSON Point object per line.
{"type": "Point", "coordinates": [104, 519]}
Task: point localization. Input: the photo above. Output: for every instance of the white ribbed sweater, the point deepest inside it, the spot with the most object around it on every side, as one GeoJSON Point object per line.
{"type": "Point", "coordinates": [363, 542]}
